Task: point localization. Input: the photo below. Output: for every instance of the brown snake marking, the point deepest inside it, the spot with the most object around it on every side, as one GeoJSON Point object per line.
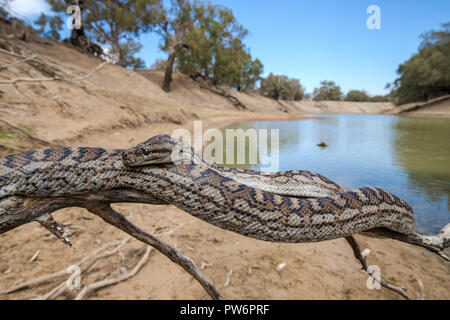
{"type": "Point", "coordinates": [242, 201]}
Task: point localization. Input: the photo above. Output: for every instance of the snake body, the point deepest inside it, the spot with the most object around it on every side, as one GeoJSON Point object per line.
{"type": "Point", "coordinates": [262, 206]}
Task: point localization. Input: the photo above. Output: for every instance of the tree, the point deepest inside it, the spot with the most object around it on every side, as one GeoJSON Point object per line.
{"type": "Point", "coordinates": [250, 74]}
{"type": "Point", "coordinates": [159, 64]}
{"type": "Point", "coordinates": [129, 49]}
{"type": "Point", "coordinates": [435, 38]}
{"type": "Point", "coordinates": [113, 23]}
{"type": "Point", "coordinates": [380, 98]}
{"type": "Point", "coordinates": [328, 91]}
{"type": "Point", "coordinates": [427, 74]}
{"type": "Point", "coordinates": [280, 87]}
{"type": "Point", "coordinates": [49, 26]}
{"type": "Point", "coordinates": [357, 95]}
{"type": "Point", "coordinates": [216, 51]}
{"type": "Point", "coordinates": [173, 28]}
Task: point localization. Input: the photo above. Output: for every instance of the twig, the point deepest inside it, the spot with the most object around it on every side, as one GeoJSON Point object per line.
{"type": "Point", "coordinates": [227, 281]}
{"type": "Point", "coordinates": [107, 282]}
{"type": "Point", "coordinates": [97, 254]}
{"type": "Point", "coordinates": [12, 81]}
{"type": "Point", "coordinates": [24, 59]}
{"type": "Point", "coordinates": [94, 70]}
{"type": "Point", "coordinates": [434, 243]}
{"type": "Point", "coordinates": [20, 210]}
{"type": "Point", "coordinates": [362, 259]}
{"type": "Point", "coordinates": [58, 290]}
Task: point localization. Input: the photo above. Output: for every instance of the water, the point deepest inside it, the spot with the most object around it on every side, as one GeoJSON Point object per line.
{"type": "Point", "coordinates": [409, 157]}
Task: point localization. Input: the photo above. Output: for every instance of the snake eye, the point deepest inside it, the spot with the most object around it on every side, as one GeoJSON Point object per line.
{"type": "Point", "coordinates": [146, 152]}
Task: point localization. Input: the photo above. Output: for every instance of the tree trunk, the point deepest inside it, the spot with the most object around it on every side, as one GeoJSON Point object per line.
{"type": "Point", "coordinates": [168, 71]}
{"type": "Point", "coordinates": [78, 37]}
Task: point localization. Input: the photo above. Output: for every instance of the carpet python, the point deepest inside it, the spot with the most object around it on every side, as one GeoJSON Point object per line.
{"type": "Point", "coordinates": [291, 206]}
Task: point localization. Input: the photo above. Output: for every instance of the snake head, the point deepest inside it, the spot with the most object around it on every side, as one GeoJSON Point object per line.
{"type": "Point", "coordinates": [159, 149]}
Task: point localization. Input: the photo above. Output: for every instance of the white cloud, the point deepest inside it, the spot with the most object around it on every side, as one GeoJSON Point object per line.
{"type": "Point", "coordinates": [28, 8]}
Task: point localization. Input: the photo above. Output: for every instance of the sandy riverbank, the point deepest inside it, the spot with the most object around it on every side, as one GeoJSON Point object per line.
{"type": "Point", "coordinates": [117, 108]}
{"type": "Point", "coordinates": [325, 270]}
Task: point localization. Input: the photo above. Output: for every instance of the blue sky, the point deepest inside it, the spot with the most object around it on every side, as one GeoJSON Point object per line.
{"type": "Point", "coordinates": [322, 39]}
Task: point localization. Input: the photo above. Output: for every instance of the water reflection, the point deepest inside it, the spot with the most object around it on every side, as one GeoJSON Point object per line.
{"type": "Point", "coordinates": [409, 157]}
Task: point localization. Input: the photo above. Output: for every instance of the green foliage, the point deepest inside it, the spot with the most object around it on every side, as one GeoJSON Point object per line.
{"type": "Point", "coordinates": [250, 74]}
{"type": "Point", "coordinates": [427, 74]}
{"type": "Point", "coordinates": [435, 38]}
{"type": "Point", "coordinates": [363, 96]}
{"type": "Point", "coordinates": [159, 64]}
{"type": "Point", "coordinates": [49, 26]}
{"type": "Point", "coordinates": [111, 23]}
{"type": "Point", "coordinates": [215, 49]}
{"type": "Point", "coordinates": [328, 91]}
{"type": "Point", "coordinates": [281, 87]}
{"type": "Point", "coordinates": [357, 95]}
{"type": "Point", "coordinates": [380, 98]}
{"type": "Point", "coordinates": [129, 49]}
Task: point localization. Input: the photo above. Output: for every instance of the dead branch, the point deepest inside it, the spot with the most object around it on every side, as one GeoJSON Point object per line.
{"type": "Point", "coordinates": [107, 282]}
{"type": "Point", "coordinates": [94, 70]}
{"type": "Point", "coordinates": [434, 243]}
{"type": "Point", "coordinates": [60, 78]}
{"type": "Point", "coordinates": [362, 259]}
{"type": "Point", "coordinates": [90, 260]}
{"type": "Point", "coordinates": [16, 211]}
{"type": "Point", "coordinates": [207, 85]}
{"type": "Point", "coordinates": [12, 81]}
{"type": "Point", "coordinates": [24, 59]}
{"type": "Point", "coordinates": [83, 264]}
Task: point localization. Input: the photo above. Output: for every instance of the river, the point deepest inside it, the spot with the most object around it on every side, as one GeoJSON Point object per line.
{"type": "Point", "coordinates": [407, 156]}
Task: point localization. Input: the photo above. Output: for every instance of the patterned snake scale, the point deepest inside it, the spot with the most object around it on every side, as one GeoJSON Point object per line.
{"type": "Point", "coordinates": [263, 206]}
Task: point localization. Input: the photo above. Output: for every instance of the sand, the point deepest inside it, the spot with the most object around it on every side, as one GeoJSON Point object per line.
{"type": "Point", "coordinates": [325, 270]}
{"type": "Point", "coordinates": [117, 108]}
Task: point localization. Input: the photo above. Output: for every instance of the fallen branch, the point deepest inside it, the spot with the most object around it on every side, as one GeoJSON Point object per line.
{"type": "Point", "coordinates": [16, 211]}
{"type": "Point", "coordinates": [85, 264]}
{"type": "Point", "coordinates": [362, 259]}
{"type": "Point", "coordinates": [94, 70]}
{"type": "Point", "coordinates": [99, 253]}
{"type": "Point", "coordinates": [91, 261]}
{"type": "Point", "coordinates": [60, 78]}
{"type": "Point", "coordinates": [24, 59]}
{"type": "Point", "coordinates": [434, 243]}
{"type": "Point", "coordinates": [207, 85]}
{"type": "Point", "coordinates": [107, 282]}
